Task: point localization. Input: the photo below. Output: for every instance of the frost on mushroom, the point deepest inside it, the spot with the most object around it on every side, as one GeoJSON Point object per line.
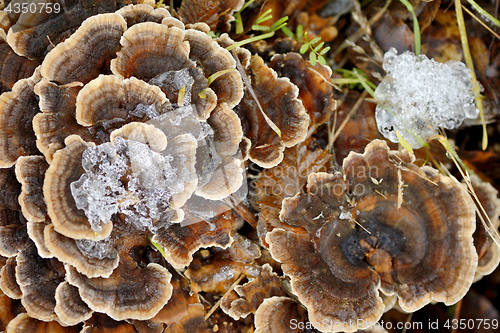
{"type": "Point", "coordinates": [419, 94]}
{"type": "Point", "coordinates": [127, 177]}
{"type": "Point", "coordinates": [385, 225]}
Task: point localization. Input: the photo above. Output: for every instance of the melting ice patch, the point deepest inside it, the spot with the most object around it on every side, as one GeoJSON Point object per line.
{"type": "Point", "coordinates": [419, 94]}
{"type": "Point", "coordinates": [124, 177]}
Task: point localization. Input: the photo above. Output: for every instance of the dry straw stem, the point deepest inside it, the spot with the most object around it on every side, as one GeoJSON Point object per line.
{"type": "Point", "coordinates": [362, 30]}
{"type": "Point", "coordinates": [334, 136]}
{"type": "Point", "coordinates": [480, 22]}
{"type": "Point", "coordinates": [470, 65]}
{"type": "Point", "coordinates": [216, 305]}
{"type": "Point", "coordinates": [488, 225]}
{"type": "Point", "coordinates": [252, 93]}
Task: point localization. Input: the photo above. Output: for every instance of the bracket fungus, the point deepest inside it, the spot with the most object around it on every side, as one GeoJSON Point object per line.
{"type": "Point", "coordinates": [315, 91]}
{"type": "Point", "coordinates": [12, 66]}
{"type": "Point", "coordinates": [278, 98]}
{"type": "Point", "coordinates": [13, 236]}
{"type": "Point", "coordinates": [285, 180]}
{"type": "Point", "coordinates": [17, 109]}
{"type": "Point", "coordinates": [278, 314]}
{"type": "Point", "coordinates": [139, 13]}
{"type": "Point", "coordinates": [30, 172]}
{"type": "Point", "coordinates": [384, 224]}
{"type": "Point", "coordinates": [488, 252]}
{"type": "Point", "coordinates": [38, 279]}
{"type": "Point", "coordinates": [24, 323]}
{"type": "Point", "coordinates": [130, 292]}
{"type": "Point", "coordinates": [215, 271]}
{"type": "Point", "coordinates": [181, 242]}
{"type": "Point", "coordinates": [48, 23]}
{"type": "Point", "coordinates": [247, 298]}
{"type": "Point", "coordinates": [82, 56]}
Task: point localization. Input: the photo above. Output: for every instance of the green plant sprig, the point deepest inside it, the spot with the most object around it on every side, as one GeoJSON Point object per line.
{"type": "Point", "coordinates": [483, 12]}
{"type": "Point", "coordinates": [158, 247]}
{"type": "Point", "coordinates": [270, 30]}
{"type": "Point", "coordinates": [354, 77]}
{"type": "Point", "coordinates": [315, 46]}
{"type": "Point", "coordinates": [237, 17]}
{"type": "Point", "coordinates": [416, 27]}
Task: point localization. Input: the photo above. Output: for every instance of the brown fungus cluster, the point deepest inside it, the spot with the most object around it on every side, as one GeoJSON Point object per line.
{"type": "Point", "coordinates": [363, 231]}
{"type": "Point", "coordinates": [116, 126]}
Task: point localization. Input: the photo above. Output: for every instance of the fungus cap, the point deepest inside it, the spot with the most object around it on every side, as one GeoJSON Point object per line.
{"type": "Point", "coordinates": [279, 100]}
{"type": "Point", "coordinates": [276, 314]}
{"type": "Point", "coordinates": [130, 292]}
{"type": "Point", "coordinates": [81, 57]}
{"type": "Point", "coordinates": [30, 171]}
{"type": "Point", "coordinates": [149, 49]}
{"type": "Point", "coordinates": [139, 13]}
{"type": "Point", "coordinates": [8, 282]}
{"type": "Point", "coordinates": [315, 91]}
{"type": "Point", "coordinates": [17, 109]}
{"type": "Point", "coordinates": [344, 216]}
{"type": "Point", "coordinates": [488, 251]}
{"type": "Point", "coordinates": [69, 308]}
{"type": "Point", "coordinates": [108, 98]}
{"type": "Point", "coordinates": [67, 251]}
{"type": "Point", "coordinates": [38, 279]}
{"type": "Point", "coordinates": [181, 242]}
{"type": "Point", "coordinates": [247, 298]}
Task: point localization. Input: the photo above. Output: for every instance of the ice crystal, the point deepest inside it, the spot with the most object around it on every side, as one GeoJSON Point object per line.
{"type": "Point", "coordinates": [419, 94]}
{"type": "Point", "coordinates": [124, 177]}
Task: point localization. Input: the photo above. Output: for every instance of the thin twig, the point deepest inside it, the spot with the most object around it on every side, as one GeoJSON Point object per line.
{"type": "Point", "coordinates": [252, 93]}
{"type": "Point", "coordinates": [408, 319]}
{"type": "Point", "coordinates": [242, 210]}
{"type": "Point", "coordinates": [480, 22]}
{"type": "Point", "coordinates": [216, 305]}
{"type": "Point", "coordinates": [358, 34]}
{"type": "Point", "coordinates": [355, 108]}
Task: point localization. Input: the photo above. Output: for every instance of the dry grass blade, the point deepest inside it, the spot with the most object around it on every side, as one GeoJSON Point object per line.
{"type": "Point", "coordinates": [488, 225]}
{"type": "Point", "coordinates": [361, 31]}
{"type": "Point", "coordinates": [334, 136]}
{"type": "Point", "coordinates": [470, 65]}
{"type": "Point", "coordinates": [250, 90]}
{"type": "Point", "coordinates": [480, 22]}
{"type": "Point", "coordinates": [217, 305]}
